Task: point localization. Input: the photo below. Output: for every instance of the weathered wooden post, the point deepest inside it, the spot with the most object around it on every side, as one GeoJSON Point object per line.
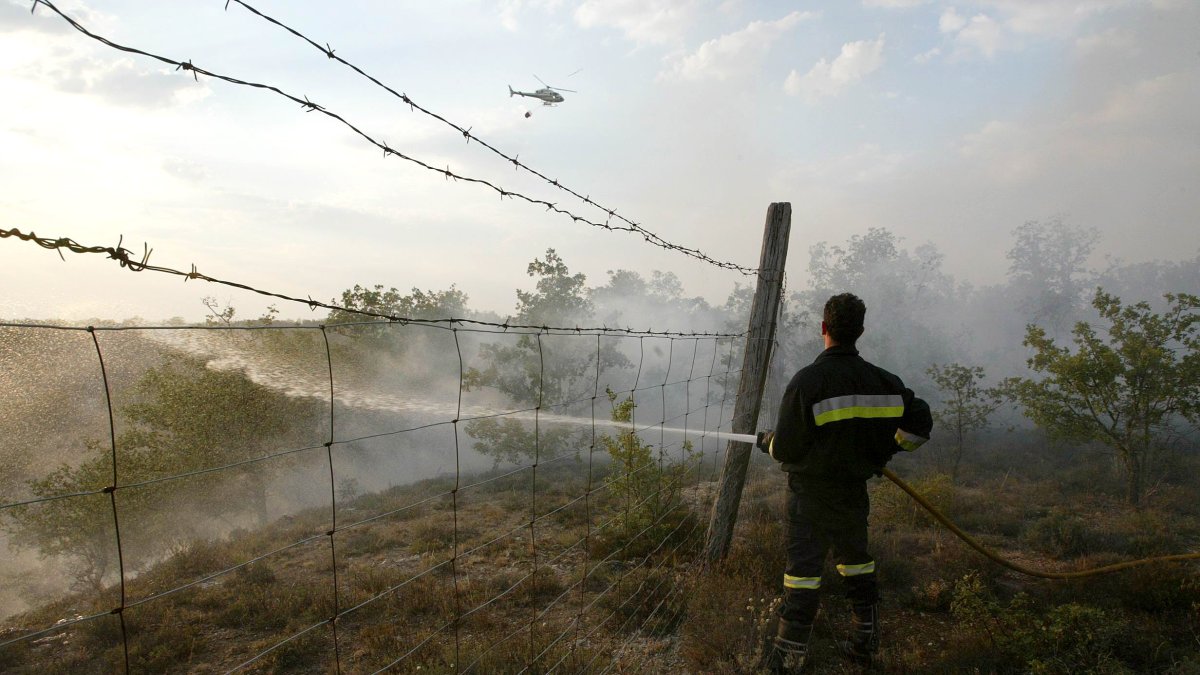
{"type": "Point", "coordinates": [759, 340]}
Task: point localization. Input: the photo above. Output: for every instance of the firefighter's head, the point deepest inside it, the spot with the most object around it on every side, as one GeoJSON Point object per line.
{"type": "Point", "coordinates": [843, 318]}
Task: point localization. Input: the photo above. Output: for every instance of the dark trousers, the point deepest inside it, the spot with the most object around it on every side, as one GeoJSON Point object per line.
{"type": "Point", "coordinates": [822, 517]}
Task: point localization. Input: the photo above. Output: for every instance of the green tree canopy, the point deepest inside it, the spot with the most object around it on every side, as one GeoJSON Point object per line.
{"type": "Point", "coordinates": [416, 305]}
{"type": "Point", "coordinates": [531, 372]}
{"type": "Point", "coordinates": [185, 418]}
{"type": "Point", "coordinates": [966, 406]}
{"type": "Point", "coordinates": [1125, 389]}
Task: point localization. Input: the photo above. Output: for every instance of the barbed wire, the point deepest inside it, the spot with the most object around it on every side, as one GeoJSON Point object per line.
{"type": "Point", "coordinates": [125, 259]}
{"type": "Point", "coordinates": [349, 610]}
{"type": "Point", "coordinates": [651, 237]}
{"type": "Point", "coordinates": [310, 106]}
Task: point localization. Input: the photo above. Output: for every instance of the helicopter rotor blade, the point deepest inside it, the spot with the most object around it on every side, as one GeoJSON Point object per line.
{"type": "Point", "coordinates": [542, 81]}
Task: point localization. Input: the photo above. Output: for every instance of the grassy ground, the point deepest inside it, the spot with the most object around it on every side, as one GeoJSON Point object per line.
{"type": "Point", "coordinates": [947, 609]}
{"type": "Point", "coordinates": [430, 578]}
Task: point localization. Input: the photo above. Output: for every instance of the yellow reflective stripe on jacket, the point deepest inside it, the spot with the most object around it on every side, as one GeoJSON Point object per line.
{"type": "Point", "coordinates": [858, 406]}
{"type": "Point", "coordinates": [809, 583]}
{"type": "Point", "coordinates": [855, 570]}
{"type": "Point", "coordinates": [909, 441]}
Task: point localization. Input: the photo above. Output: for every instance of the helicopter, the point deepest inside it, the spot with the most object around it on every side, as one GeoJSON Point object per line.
{"type": "Point", "coordinates": [547, 94]}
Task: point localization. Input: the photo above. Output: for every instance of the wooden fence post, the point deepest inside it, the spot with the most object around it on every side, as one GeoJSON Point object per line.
{"type": "Point", "coordinates": [759, 340]}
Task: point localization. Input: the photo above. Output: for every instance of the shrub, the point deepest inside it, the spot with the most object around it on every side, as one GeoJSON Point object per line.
{"type": "Point", "coordinates": [1156, 587]}
{"type": "Point", "coordinates": [892, 508]}
{"type": "Point", "coordinates": [647, 511]}
{"type": "Point", "coordinates": [1144, 532]}
{"type": "Point", "coordinates": [1064, 639]}
{"type": "Point", "coordinates": [1061, 533]}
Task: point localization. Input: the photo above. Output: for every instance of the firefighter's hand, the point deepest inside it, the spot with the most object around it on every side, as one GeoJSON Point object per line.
{"type": "Point", "coordinates": [764, 440]}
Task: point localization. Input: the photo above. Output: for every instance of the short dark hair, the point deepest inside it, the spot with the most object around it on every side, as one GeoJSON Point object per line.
{"type": "Point", "coordinates": [843, 318]}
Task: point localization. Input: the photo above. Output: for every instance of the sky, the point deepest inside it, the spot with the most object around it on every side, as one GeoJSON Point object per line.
{"type": "Point", "coordinates": [946, 123]}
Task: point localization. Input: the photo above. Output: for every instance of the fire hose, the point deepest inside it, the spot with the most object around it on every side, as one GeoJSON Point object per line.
{"type": "Point", "coordinates": [1017, 567]}
{"type": "Point", "coordinates": [990, 554]}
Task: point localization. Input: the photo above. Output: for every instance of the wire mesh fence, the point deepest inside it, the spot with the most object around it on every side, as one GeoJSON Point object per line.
{"type": "Point", "coordinates": [365, 496]}
{"type": "Point", "coordinates": [410, 494]}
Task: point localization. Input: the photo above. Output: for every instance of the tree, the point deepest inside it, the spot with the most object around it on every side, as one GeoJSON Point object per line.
{"type": "Point", "coordinates": [190, 417]}
{"type": "Point", "coordinates": [218, 315]}
{"type": "Point", "coordinates": [416, 305]}
{"type": "Point", "coordinates": [1126, 390]}
{"type": "Point", "coordinates": [363, 347]}
{"type": "Point", "coordinates": [530, 373]}
{"type": "Point", "coordinates": [79, 529]}
{"type": "Point", "coordinates": [185, 418]}
{"type": "Point", "coordinates": [647, 495]}
{"type": "Point", "coordinates": [525, 372]}
{"type": "Point", "coordinates": [967, 406]}
{"type": "Point", "coordinates": [1047, 270]}
{"type": "Point", "coordinates": [630, 299]}
{"type": "Point", "coordinates": [902, 290]}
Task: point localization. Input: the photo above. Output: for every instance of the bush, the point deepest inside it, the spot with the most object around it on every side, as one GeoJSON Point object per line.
{"type": "Point", "coordinates": [1064, 639]}
{"type": "Point", "coordinates": [647, 511]}
{"type": "Point", "coordinates": [1061, 533]}
{"type": "Point", "coordinates": [1146, 533]}
{"type": "Point", "coordinates": [893, 508]}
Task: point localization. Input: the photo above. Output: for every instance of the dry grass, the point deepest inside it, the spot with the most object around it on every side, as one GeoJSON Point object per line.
{"type": "Point", "coordinates": [442, 582]}
{"type": "Point", "coordinates": [922, 569]}
{"type": "Point", "coordinates": [433, 581]}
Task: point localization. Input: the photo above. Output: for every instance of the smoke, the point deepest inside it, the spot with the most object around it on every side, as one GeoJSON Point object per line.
{"type": "Point", "coordinates": [403, 402]}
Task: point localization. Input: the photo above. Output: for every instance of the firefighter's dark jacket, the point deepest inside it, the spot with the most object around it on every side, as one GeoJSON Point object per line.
{"type": "Point", "coordinates": [842, 419]}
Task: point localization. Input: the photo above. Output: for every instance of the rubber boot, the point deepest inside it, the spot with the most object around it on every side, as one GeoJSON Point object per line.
{"type": "Point", "coordinates": [864, 641]}
{"type": "Point", "coordinates": [789, 649]}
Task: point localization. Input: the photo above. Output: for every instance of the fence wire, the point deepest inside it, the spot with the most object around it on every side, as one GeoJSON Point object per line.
{"type": "Point", "coordinates": [595, 559]}
{"type": "Point", "coordinates": [564, 555]}
{"type": "Point", "coordinates": [127, 260]}
{"type": "Point", "coordinates": [382, 145]}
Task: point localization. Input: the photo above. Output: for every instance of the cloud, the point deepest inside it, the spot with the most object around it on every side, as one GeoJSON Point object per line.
{"type": "Point", "coordinates": [950, 21]}
{"type": "Point", "coordinates": [57, 56]}
{"type": "Point", "coordinates": [1139, 119]}
{"type": "Point", "coordinates": [1112, 39]}
{"type": "Point", "coordinates": [926, 57]}
{"type": "Point", "coordinates": [734, 54]}
{"type": "Point", "coordinates": [895, 4]}
{"type": "Point", "coordinates": [16, 17]}
{"type": "Point", "coordinates": [1059, 18]}
{"type": "Point", "coordinates": [982, 34]}
{"type": "Point", "coordinates": [185, 169]}
{"type": "Point", "coordinates": [510, 11]}
{"type": "Point", "coordinates": [830, 179]}
{"type": "Point", "coordinates": [1005, 24]}
{"type": "Point", "coordinates": [1151, 102]}
{"type": "Point", "coordinates": [122, 82]}
{"type": "Point", "coordinates": [825, 79]}
{"type": "Point", "coordinates": [646, 22]}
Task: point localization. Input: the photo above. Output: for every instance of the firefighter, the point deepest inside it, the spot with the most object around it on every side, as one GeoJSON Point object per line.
{"type": "Point", "coordinates": [840, 421]}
